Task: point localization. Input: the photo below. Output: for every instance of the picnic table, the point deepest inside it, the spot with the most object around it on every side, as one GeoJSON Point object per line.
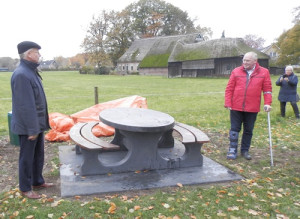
{"type": "Point", "coordinates": [140, 132]}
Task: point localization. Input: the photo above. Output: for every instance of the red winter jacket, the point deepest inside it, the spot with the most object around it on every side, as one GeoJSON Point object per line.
{"type": "Point", "coordinates": [244, 94]}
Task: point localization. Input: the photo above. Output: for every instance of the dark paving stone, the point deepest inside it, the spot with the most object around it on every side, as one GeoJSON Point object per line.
{"type": "Point", "coordinates": [73, 184]}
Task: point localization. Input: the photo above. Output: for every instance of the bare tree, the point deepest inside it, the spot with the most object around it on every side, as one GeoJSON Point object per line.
{"type": "Point", "coordinates": [254, 41]}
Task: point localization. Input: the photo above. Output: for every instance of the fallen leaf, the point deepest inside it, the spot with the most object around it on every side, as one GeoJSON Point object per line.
{"type": "Point", "coordinates": [179, 185]}
{"type": "Point", "coordinates": [278, 194]}
{"type": "Point", "coordinates": [136, 207]}
{"type": "Point", "coordinates": [97, 215]}
{"type": "Point", "coordinates": [50, 200]}
{"type": "Point", "coordinates": [280, 190]}
{"type": "Point", "coordinates": [253, 212]}
{"type": "Point", "coordinates": [222, 192]}
{"type": "Point", "coordinates": [221, 214]}
{"type": "Point", "coordinates": [281, 216]}
{"type": "Point", "coordinates": [124, 197]}
{"type": "Point", "coordinates": [269, 179]}
{"type": "Point", "coordinates": [112, 208]}
{"type": "Point", "coordinates": [166, 205]}
{"type": "Point", "coordinates": [54, 204]}
{"type": "Point", "coordinates": [233, 208]}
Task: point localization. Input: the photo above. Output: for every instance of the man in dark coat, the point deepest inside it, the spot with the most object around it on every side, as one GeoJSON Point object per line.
{"type": "Point", "coordinates": [288, 90]}
{"type": "Point", "coordinates": [29, 119]}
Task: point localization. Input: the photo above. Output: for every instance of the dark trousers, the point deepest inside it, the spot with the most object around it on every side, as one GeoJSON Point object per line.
{"type": "Point", "coordinates": [295, 108]}
{"type": "Point", "coordinates": [31, 162]}
{"type": "Point", "coordinates": [237, 118]}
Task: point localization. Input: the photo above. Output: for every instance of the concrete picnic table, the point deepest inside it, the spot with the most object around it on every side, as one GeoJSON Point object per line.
{"type": "Point", "coordinates": [138, 130]}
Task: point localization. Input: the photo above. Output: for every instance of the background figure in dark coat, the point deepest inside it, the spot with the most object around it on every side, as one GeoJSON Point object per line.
{"type": "Point", "coordinates": [29, 118]}
{"type": "Point", "coordinates": [288, 90]}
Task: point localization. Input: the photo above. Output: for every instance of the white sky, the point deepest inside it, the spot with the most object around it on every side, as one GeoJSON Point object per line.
{"type": "Point", "coordinates": [60, 26]}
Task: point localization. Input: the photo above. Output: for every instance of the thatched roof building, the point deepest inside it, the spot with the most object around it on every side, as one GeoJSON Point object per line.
{"type": "Point", "coordinates": [214, 57]}
{"type": "Point", "coordinates": [151, 53]}
{"type": "Point", "coordinates": [185, 56]}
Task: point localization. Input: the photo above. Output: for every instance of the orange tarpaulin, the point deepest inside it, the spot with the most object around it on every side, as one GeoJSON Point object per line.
{"type": "Point", "coordinates": [61, 124]}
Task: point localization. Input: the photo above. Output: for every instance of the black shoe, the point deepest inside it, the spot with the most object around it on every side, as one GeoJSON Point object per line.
{"type": "Point", "coordinates": [246, 155]}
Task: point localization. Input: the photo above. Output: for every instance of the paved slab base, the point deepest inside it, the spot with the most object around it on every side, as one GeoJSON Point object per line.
{"type": "Point", "coordinates": [72, 183]}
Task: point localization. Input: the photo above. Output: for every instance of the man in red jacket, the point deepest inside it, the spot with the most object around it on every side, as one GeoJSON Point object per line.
{"type": "Point", "coordinates": [243, 98]}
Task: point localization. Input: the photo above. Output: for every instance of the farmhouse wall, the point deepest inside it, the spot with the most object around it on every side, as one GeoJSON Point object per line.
{"type": "Point", "coordinates": [154, 71]}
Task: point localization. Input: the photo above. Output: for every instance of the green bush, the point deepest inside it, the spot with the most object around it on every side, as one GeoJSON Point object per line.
{"type": "Point", "coordinates": [87, 70]}
{"type": "Point", "coordinates": [103, 70]}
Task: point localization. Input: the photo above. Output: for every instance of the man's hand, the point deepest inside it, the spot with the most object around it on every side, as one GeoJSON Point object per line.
{"type": "Point", "coordinates": [267, 108]}
{"type": "Point", "coordinates": [227, 107]}
{"type": "Point", "coordinates": [32, 137]}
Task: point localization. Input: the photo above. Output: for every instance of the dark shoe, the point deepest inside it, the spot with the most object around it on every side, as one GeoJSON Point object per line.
{"type": "Point", "coordinates": [45, 185]}
{"type": "Point", "coordinates": [246, 155]}
{"type": "Point", "coordinates": [31, 194]}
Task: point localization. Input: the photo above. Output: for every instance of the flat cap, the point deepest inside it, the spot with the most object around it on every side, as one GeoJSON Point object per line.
{"type": "Point", "coordinates": [26, 45]}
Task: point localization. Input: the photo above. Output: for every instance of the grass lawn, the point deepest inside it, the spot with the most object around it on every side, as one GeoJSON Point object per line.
{"type": "Point", "coordinates": [267, 192]}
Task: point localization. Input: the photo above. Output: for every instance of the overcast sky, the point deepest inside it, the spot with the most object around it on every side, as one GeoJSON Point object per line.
{"type": "Point", "coordinates": [60, 26]}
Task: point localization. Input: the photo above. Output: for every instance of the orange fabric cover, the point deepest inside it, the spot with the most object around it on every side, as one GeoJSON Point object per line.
{"type": "Point", "coordinates": [61, 124]}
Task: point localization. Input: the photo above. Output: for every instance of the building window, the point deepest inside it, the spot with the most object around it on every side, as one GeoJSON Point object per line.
{"type": "Point", "coordinates": [273, 54]}
{"type": "Point", "coordinates": [131, 68]}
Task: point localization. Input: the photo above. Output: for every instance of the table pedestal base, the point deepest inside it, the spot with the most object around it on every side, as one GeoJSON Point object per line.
{"type": "Point", "coordinates": [142, 155]}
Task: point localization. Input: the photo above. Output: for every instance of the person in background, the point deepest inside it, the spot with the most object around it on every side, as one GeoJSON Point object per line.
{"type": "Point", "coordinates": [243, 98]}
{"type": "Point", "coordinates": [29, 119]}
{"type": "Point", "coordinates": [288, 90]}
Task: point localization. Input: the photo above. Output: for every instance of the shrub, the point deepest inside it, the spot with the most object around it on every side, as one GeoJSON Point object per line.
{"type": "Point", "coordinates": [87, 70]}
{"type": "Point", "coordinates": [103, 70]}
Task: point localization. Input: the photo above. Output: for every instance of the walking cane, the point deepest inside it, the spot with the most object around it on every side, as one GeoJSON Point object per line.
{"type": "Point", "coordinates": [270, 138]}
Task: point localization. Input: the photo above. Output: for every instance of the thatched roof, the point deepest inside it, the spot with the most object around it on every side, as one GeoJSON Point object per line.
{"type": "Point", "coordinates": [161, 50]}
{"type": "Point", "coordinates": [147, 47]}
{"type": "Point", "coordinates": [219, 48]}
{"type": "Point", "coordinates": [137, 51]}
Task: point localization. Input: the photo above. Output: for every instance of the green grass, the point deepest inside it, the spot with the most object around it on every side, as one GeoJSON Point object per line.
{"type": "Point", "coordinates": [265, 193]}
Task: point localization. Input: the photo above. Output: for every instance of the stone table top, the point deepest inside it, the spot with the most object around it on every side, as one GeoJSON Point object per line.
{"type": "Point", "coordinates": [137, 119]}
